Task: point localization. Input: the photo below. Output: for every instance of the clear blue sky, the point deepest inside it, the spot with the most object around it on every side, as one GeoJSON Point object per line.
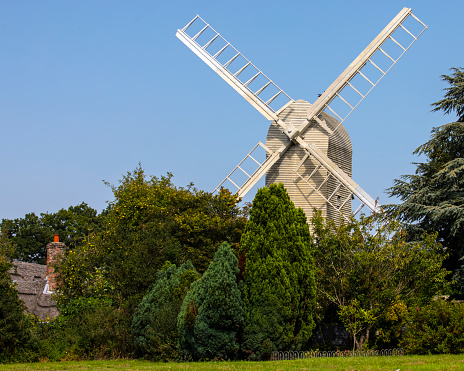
{"type": "Point", "coordinates": [90, 88]}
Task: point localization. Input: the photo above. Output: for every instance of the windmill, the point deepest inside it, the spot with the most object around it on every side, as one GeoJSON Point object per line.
{"type": "Point", "coordinates": [307, 148]}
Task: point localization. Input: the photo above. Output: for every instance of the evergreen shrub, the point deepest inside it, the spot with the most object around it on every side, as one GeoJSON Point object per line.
{"type": "Point", "coordinates": [212, 311]}
{"type": "Point", "coordinates": [154, 325]}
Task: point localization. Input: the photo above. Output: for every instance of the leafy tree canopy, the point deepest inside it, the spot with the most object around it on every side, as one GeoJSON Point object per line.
{"type": "Point", "coordinates": [367, 270]}
{"type": "Point", "coordinates": [32, 233]}
{"type": "Point", "coordinates": [432, 199]}
{"type": "Point", "coordinates": [150, 221]}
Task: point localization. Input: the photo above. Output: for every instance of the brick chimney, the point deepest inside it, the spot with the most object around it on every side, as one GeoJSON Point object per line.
{"type": "Point", "coordinates": [55, 250]}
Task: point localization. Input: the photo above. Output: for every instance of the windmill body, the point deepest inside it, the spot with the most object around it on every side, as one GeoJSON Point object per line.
{"type": "Point", "coordinates": [294, 167]}
{"type": "Point", "coordinates": [307, 148]}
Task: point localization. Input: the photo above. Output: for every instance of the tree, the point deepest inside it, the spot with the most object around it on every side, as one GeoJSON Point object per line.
{"type": "Point", "coordinates": [155, 320]}
{"type": "Point", "coordinates": [32, 233]}
{"type": "Point", "coordinates": [150, 221]}
{"type": "Point", "coordinates": [279, 284]}
{"type": "Point", "coordinates": [212, 311]}
{"type": "Point", "coordinates": [368, 270]}
{"type": "Point", "coordinates": [15, 324]}
{"type": "Point", "coordinates": [30, 237]}
{"type": "Point", "coordinates": [74, 225]}
{"type": "Point", "coordinates": [432, 199]}
{"type": "Point", "coordinates": [454, 97]}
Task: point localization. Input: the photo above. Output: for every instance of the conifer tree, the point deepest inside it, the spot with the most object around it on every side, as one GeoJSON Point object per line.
{"type": "Point", "coordinates": [432, 199]}
{"type": "Point", "coordinates": [212, 311]}
{"type": "Point", "coordinates": [279, 285]}
{"type": "Point", "coordinates": [154, 325]}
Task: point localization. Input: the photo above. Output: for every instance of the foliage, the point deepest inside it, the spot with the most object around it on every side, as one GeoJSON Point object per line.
{"type": "Point", "coordinates": [357, 318]}
{"type": "Point", "coordinates": [364, 268]}
{"type": "Point", "coordinates": [212, 311]}
{"type": "Point", "coordinates": [87, 329]}
{"type": "Point", "coordinates": [154, 325]}
{"type": "Point", "coordinates": [432, 199]}
{"type": "Point", "coordinates": [435, 329]}
{"type": "Point", "coordinates": [390, 327]}
{"type": "Point", "coordinates": [196, 219]}
{"type": "Point", "coordinates": [32, 233]}
{"type": "Point", "coordinates": [458, 277]}
{"type": "Point", "coordinates": [150, 221]}
{"type": "Point", "coordinates": [16, 340]}
{"type": "Point", "coordinates": [454, 97]}
{"type": "Point", "coordinates": [76, 224]}
{"type": "Point", "coordinates": [279, 285]}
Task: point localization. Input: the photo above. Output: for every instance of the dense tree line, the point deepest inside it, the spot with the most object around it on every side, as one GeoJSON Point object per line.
{"type": "Point", "coordinates": [248, 302]}
{"type": "Point", "coordinates": [31, 234]}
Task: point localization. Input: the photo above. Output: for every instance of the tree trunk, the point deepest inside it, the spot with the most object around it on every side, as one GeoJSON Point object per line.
{"type": "Point", "coordinates": [363, 338]}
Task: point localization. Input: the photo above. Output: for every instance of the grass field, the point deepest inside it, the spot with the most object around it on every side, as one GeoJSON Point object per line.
{"type": "Point", "coordinates": [402, 363]}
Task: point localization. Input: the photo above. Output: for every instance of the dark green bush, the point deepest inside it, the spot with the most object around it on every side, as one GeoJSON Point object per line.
{"type": "Point", "coordinates": [212, 311]}
{"type": "Point", "coordinates": [154, 325]}
{"type": "Point", "coordinates": [435, 329]}
{"type": "Point", "coordinates": [16, 338]}
{"type": "Point", "coordinates": [88, 328]}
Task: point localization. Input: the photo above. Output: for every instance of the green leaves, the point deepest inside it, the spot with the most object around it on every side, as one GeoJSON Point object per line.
{"type": "Point", "coordinates": [15, 324]}
{"type": "Point", "coordinates": [437, 328]}
{"type": "Point", "coordinates": [355, 318]}
{"type": "Point", "coordinates": [32, 233]}
{"type": "Point", "coordinates": [149, 222]}
{"type": "Point", "coordinates": [363, 267]}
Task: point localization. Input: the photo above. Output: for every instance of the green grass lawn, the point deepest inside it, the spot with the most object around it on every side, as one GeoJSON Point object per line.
{"type": "Point", "coordinates": [402, 363]}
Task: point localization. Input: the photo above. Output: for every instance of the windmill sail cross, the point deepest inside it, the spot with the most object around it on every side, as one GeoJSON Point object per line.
{"type": "Point", "coordinates": [263, 94]}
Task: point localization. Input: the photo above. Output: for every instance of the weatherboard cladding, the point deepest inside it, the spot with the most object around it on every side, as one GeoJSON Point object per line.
{"type": "Point", "coordinates": [337, 147]}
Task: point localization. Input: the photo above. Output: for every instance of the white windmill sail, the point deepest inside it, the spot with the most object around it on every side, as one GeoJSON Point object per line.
{"type": "Point", "coordinates": [345, 82]}
{"type": "Point", "coordinates": [259, 90]}
{"type": "Point", "coordinates": [253, 85]}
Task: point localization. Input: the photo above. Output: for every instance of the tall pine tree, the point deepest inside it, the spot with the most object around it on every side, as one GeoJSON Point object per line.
{"type": "Point", "coordinates": [279, 285]}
